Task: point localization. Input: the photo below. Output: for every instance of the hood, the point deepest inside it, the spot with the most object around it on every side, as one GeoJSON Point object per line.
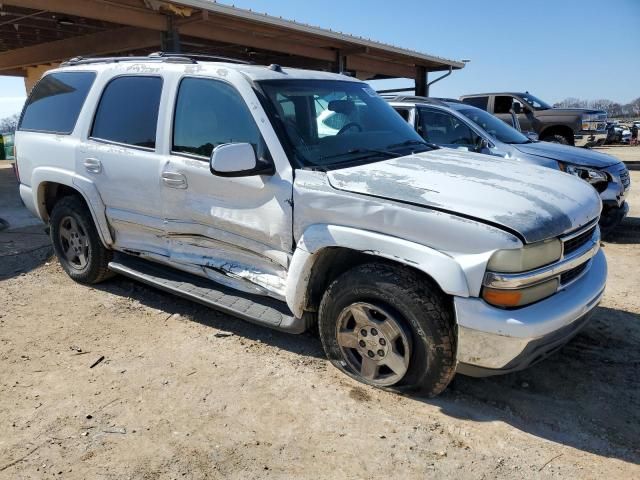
{"type": "Point", "coordinates": [567, 154]}
{"type": "Point", "coordinates": [535, 202]}
{"type": "Point", "coordinates": [571, 111]}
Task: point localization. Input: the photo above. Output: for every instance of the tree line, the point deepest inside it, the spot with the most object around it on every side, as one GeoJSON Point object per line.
{"type": "Point", "coordinates": [613, 109]}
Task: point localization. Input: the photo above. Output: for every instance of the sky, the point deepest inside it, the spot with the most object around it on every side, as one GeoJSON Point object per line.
{"type": "Point", "coordinates": [553, 48]}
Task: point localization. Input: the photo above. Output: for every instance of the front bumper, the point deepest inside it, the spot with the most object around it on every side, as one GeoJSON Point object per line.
{"type": "Point", "coordinates": [493, 341]}
{"type": "Point", "coordinates": [586, 138]}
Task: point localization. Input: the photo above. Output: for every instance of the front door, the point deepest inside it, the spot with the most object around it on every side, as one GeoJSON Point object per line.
{"type": "Point", "coordinates": [236, 230]}
{"type": "Point", "coordinates": [442, 128]}
{"type": "Point", "coordinates": [119, 157]}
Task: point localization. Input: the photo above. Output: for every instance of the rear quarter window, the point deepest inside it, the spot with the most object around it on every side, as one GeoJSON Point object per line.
{"type": "Point", "coordinates": [479, 102]}
{"type": "Point", "coordinates": [55, 102]}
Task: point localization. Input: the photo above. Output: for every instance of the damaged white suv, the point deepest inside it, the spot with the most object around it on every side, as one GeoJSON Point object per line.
{"type": "Point", "coordinates": [227, 183]}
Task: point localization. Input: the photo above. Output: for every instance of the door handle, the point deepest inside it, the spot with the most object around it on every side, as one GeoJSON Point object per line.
{"type": "Point", "coordinates": [93, 165]}
{"type": "Point", "coordinates": [174, 179]}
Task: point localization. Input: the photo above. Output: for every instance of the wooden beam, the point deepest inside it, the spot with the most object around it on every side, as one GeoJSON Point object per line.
{"type": "Point", "coordinates": [366, 64]}
{"type": "Point", "coordinates": [107, 12]}
{"type": "Point", "coordinates": [107, 42]}
{"type": "Point", "coordinates": [220, 34]}
{"type": "Point", "coordinates": [16, 72]}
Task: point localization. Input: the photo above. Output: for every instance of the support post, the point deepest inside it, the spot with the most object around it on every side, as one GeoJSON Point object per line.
{"type": "Point", "coordinates": [171, 37]}
{"type": "Point", "coordinates": [341, 61]}
{"type": "Point", "coordinates": [421, 81]}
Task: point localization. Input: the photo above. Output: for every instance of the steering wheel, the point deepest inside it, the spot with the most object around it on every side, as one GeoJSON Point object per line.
{"type": "Point", "coordinates": [348, 126]}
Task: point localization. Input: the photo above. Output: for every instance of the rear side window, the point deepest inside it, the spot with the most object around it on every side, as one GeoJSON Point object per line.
{"type": "Point", "coordinates": [480, 102]}
{"type": "Point", "coordinates": [56, 101]}
{"type": "Point", "coordinates": [128, 111]}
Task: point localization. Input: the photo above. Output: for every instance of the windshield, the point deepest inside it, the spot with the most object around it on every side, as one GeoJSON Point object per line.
{"type": "Point", "coordinates": [335, 123]}
{"type": "Point", "coordinates": [494, 126]}
{"type": "Point", "coordinates": [535, 102]}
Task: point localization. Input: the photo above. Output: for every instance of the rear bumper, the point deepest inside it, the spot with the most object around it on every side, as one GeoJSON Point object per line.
{"type": "Point", "coordinates": [585, 138]}
{"type": "Point", "coordinates": [493, 341]}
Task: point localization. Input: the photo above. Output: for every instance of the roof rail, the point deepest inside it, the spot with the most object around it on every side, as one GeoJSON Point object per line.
{"type": "Point", "coordinates": [413, 98]}
{"type": "Point", "coordinates": [168, 57]}
{"type": "Point", "coordinates": [200, 56]}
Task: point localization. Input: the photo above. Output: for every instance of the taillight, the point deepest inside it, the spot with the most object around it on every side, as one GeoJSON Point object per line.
{"type": "Point", "coordinates": [15, 163]}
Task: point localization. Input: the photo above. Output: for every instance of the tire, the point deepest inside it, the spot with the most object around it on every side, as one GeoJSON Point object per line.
{"type": "Point", "coordinates": [380, 295]}
{"type": "Point", "coordinates": [556, 139]}
{"type": "Point", "coordinates": [77, 243]}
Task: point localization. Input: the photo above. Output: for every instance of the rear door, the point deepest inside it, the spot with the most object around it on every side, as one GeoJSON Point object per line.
{"type": "Point", "coordinates": [237, 230]}
{"type": "Point", "coordinates": [118, 154]}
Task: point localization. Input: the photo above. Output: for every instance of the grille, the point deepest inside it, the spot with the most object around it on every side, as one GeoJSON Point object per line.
{"type": "Point", "coordinates": [624, 177]}
{"type": "Point", "coordinates": [576, 242]}
{"type": "Point", "coordinates": [572, 274]}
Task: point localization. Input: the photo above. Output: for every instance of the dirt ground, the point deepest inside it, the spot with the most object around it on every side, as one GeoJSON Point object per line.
{"type": "Point", "coordinates": [122, 381]}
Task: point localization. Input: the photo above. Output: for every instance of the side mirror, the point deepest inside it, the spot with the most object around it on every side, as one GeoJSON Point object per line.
{"type": "Point", "coordinates": [516, 108]}
{"type": "Point", "coordinates": [238, 160]}
{"type": "Point", "coordinates": [533, 136]}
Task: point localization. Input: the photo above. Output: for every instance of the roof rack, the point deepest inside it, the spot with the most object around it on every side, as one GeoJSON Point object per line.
{"type": "Point", "coordinates": [168, 57]}
{"type": "Point", "coordinates": [413, 98]}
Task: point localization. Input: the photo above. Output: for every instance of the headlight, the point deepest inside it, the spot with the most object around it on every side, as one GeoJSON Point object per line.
{"type": "Point", "coordinates": [590, 175]}
{"type": "Point", "coordinates": [590, 121]}
{"type": "Point", "coordinates": [526, 258]}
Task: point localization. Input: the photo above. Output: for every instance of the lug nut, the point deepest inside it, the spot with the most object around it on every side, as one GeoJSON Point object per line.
{"type": "Point", "coordinates": [383, 342]}
{"type": "Point", "coordinates": [363, 332]}
{"type": "Point", "coordinates": [371, 354]}
{"type": "Point", "coordinates": [381, 353]}
{"type": "Point", "coordinates": [374, 331]}
{"type": "Point", "coordinates": [362, 343]}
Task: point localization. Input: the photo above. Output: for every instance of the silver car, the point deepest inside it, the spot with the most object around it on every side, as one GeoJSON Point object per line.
{"type": "Point", "coordinates": [453, 124]}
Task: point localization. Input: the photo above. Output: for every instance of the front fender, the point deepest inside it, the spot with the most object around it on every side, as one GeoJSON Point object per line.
{"type": "Point", "coordinates": [445, 270]}
{"type": "Point", "coordinates": [43, 175]}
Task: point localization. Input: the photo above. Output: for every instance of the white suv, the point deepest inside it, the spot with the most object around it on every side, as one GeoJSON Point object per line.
{"type": "Point", "coordinates": [212, 180]}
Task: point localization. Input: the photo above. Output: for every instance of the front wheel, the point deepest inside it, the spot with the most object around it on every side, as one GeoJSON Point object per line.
{"type": "Point", "coordinates": [387, 326]}
{"type": "Point", "coordinates": [77, 243]}
{"type": "Point", "coordinates": [556, 139]}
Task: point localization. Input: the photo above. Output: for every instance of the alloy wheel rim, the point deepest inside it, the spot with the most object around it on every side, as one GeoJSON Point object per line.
{"type": "Point", "coordinates": [74, 242]}
{"type": "Point", "coordinates": [373, 343]}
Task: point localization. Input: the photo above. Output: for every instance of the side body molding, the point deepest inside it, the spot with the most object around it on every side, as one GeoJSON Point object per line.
{"type": "Point", "coordinates": [43, 175]}
{"type": "Point", "coordinates": [445, 270]}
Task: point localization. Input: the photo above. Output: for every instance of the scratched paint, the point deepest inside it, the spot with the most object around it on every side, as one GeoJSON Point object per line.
{"type": "Point", "coordinates": [536, 202]}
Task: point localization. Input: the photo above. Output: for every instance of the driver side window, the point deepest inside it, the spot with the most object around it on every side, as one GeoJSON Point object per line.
{"type": "Point", "coordinates": [443, 128]}
{"type": "Point", "coordinates": [210, 113]}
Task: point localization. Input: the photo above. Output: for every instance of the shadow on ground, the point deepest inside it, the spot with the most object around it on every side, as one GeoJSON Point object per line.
{"type": "Point", "coordinates": [22, 250]}
{"type": "Point", "coordinates": [586, 396]}
{"type": "Point", "coordinates": [627, 233]}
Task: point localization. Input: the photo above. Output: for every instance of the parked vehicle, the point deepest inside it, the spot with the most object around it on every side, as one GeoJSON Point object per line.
{"type": "Point", "coordinates": [453, 124]}
{"type": "Point", "coordinates": [579, 127]}
{"type": "Point", "coordinates": [210, 180]}
{"type": "Point", "coordinates": [618, 133]}
{"type": "Point", "coordinates": [6, 146]}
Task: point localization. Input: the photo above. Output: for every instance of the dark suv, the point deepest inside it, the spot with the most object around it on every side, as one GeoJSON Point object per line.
{"type": "Point", "coordinates": [580, 127]}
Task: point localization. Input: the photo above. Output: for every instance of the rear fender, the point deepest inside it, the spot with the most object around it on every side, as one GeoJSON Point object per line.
{"type": "Point", "coordinates": [84, 186]}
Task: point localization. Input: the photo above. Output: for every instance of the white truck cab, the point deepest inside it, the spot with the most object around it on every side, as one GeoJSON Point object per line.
{"type": "Point", "coordinates": [231, 185]}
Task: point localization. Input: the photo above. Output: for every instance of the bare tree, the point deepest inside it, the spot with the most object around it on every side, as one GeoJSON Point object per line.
{"type": "Point", "coordinates": [9, 124]}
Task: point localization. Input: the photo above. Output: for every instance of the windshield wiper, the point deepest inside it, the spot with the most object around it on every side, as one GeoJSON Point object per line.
{"type": "Point", "coordinates": [363, 150]}
{"type": "Point", "coordinates": [408, 143]}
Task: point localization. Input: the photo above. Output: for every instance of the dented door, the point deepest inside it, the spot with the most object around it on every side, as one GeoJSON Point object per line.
{"type": "Point", "coordinates": [238, 230]}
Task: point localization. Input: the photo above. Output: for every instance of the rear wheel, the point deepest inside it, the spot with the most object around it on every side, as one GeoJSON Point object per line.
{"type": "Point", "coordinates": [77, 243]}
{"type": "Point", "coordinates": [387, 326]}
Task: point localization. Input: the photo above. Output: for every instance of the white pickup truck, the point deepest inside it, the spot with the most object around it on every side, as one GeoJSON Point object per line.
{"type": "Point", "coordinates": [219, 181]}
